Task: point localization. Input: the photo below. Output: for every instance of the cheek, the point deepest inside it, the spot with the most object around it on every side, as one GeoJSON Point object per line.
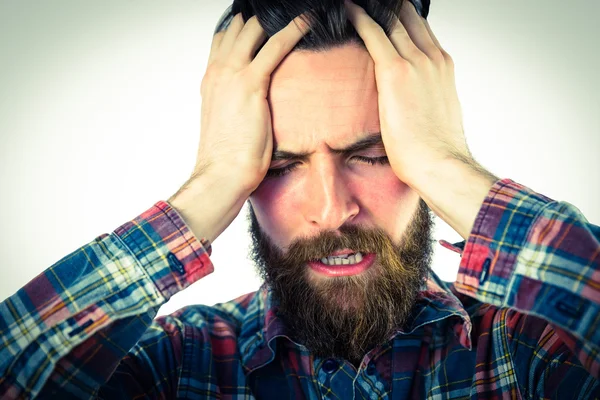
{"type": "Point", "coordinates": [278, 203]}
{"type": "Point", "coordinates": [274, 203]}
{"type": "Point", "coordinates": [388, 203]}
{"type": "Point", "coordinates": [275, 194]}
{"type": "Point", "coordinates": [382, 195]}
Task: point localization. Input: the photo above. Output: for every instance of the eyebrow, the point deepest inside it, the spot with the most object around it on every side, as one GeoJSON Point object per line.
{"type": "Point", "coordinates": [365, 143]}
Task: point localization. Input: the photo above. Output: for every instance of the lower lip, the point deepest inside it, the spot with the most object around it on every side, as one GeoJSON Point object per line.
{"type": "Point", "coordinates": [343, 270]}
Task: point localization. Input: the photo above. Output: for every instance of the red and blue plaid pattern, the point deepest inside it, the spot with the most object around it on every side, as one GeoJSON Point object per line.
{"type": "Point", "coordinates": [522, 320]}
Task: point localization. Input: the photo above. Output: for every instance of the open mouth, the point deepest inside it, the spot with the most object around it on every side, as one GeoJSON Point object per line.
{"type": "Point", "coordinates": [343, 263]}
{"type": "Point", "coordinates": [347, 259]}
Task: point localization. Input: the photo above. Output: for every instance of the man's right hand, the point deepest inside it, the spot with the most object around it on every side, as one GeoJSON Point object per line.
{"type": "Point", "coordinates": [236, 140]}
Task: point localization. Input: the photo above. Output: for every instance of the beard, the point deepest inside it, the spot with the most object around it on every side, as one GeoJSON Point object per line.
{"type": "Point", "coordinates": [346, 316]}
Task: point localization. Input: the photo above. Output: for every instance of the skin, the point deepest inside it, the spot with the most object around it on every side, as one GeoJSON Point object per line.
{"type": "Point", "coordinates": [257, 108]}
{"type": "Point", "coordinates": [321, 101]}
{"type": "Point", "coordinates": [419, 119]}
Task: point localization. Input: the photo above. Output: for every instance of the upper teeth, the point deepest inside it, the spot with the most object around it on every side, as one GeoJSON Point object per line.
{"type": "Point", "coordinates": [343, 260]}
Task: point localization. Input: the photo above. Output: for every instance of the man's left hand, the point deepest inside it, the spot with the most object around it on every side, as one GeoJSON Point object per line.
{"type": "Point", "coordinates": [421, 118]}
{"type": "Point", "coordinates": [420, 115]}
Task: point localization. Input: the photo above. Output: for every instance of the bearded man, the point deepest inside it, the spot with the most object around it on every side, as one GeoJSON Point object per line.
{"type": "Point", "coordinates": [344, 132]}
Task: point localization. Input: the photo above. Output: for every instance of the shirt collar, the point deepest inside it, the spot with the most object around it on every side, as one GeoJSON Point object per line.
{"type": "Point", "coordinates": [261, 325]}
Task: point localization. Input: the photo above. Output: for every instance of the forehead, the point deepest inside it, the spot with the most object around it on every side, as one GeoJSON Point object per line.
{"type": "Point", "coordinates": [323, 97]}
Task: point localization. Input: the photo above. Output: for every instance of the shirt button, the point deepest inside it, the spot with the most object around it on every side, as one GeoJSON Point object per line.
{"type": "Point", "coordinates": [330, 365]}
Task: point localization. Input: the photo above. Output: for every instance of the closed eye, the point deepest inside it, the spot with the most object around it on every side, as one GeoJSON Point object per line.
{"type": "Point", "coordinates": [372, 160]}
{"type": "Point", "coordinates": [277, 172]}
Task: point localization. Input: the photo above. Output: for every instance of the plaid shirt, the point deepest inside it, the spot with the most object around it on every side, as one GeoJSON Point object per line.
{"type": "Point", "coordinates": [522, 320]}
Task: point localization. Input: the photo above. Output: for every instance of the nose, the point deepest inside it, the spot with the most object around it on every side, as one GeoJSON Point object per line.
{"type": "Point", "coordinates": [330, 202]}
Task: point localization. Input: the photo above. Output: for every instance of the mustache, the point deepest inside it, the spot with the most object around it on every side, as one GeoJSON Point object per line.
{"type": "Point", "coordinates": [354, 237]}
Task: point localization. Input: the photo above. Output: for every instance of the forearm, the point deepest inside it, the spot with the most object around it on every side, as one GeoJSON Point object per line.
{"type": "Point", "coordinates": [80, 317]}
{"type": "Point", "coordinates": [208, 204]}
{"type": "Point", "coordinates": [523, 251]}
{"type": "Point", "coordinates": [454, 190]}
{"type": "Point", "coordinates": [539, 257]}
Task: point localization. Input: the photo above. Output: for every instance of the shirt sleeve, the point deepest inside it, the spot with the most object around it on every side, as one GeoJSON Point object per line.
{"type": "Point", "coordinates": [75, 321]}
{"type": "Point", "coordinates": [539, 257]}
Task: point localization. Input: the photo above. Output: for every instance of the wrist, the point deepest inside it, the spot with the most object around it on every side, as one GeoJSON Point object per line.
{"type": "Point", "coordinates": [454, 190]}
{"type": "Point", "coordinates": [208, 204]}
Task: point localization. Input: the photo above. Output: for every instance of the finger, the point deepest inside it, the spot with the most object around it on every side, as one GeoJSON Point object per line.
{"type": "Point", "coordinates": [248, 41]}
{"type": "Point", "coordinates": [279, 45]}
{"type": "Point", "coordinates": [403, 43]}
{"type": "Point", "coordinates": [414, 26]}
{"type": "Point", "coordinates": [231, 34]}
{"type": "Point", "coordinates": [437, 43]}
{"type": "Point", "coordinates": [214, 47]}
{"type": "Point", "coordinates": [378, 44]}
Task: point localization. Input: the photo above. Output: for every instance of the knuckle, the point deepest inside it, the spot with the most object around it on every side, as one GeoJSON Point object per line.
{"type": "Point", "coordinates": [257, 75]}
{"type": "Point", "coordinates": [257, 79]}
{"type": "Point", "coordinates": [375, 26]}
{"type": "Point", "coordinates": [448, 59]}
{"type": "Point", "coordinates": [204, 85]}
{"type": "Point", "coordinates": [418, 56]}
{"type": "Point", "coordinates": [399, 64]}
{"type": "Point", "coordinates": [210, 76]}
{"type": "Point", "coordinates": [211, 72]}
{"type": "Point", "coordinates": [436, 56]}
{"type": "Point", "coordinates": [276, 45]}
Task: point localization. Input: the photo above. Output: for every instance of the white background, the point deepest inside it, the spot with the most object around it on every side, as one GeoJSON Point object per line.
{"type": "Point", "coordinates": [99, 117]}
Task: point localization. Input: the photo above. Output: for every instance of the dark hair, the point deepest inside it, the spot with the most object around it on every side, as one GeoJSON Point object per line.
{"type": "Point", "coordinates": [329, 24]}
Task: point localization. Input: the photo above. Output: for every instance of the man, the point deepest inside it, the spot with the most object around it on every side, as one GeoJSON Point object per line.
{"type": "Point", "coordinates": [341, 149]}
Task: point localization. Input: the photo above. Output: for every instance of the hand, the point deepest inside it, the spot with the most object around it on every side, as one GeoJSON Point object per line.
{"type": "Point", "coordinates": [419, 111]}
{"type": "Point", "coordinates": [236, 140]}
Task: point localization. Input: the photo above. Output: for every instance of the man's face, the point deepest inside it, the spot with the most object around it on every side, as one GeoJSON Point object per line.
{"type": "Point", "coordinates": [335, 203]}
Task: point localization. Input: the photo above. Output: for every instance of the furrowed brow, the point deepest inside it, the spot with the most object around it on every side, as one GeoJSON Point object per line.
{"type": "Point", "coordinates": [281, 155]}
{"type": "Point", "coordinates": [363, 144]}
